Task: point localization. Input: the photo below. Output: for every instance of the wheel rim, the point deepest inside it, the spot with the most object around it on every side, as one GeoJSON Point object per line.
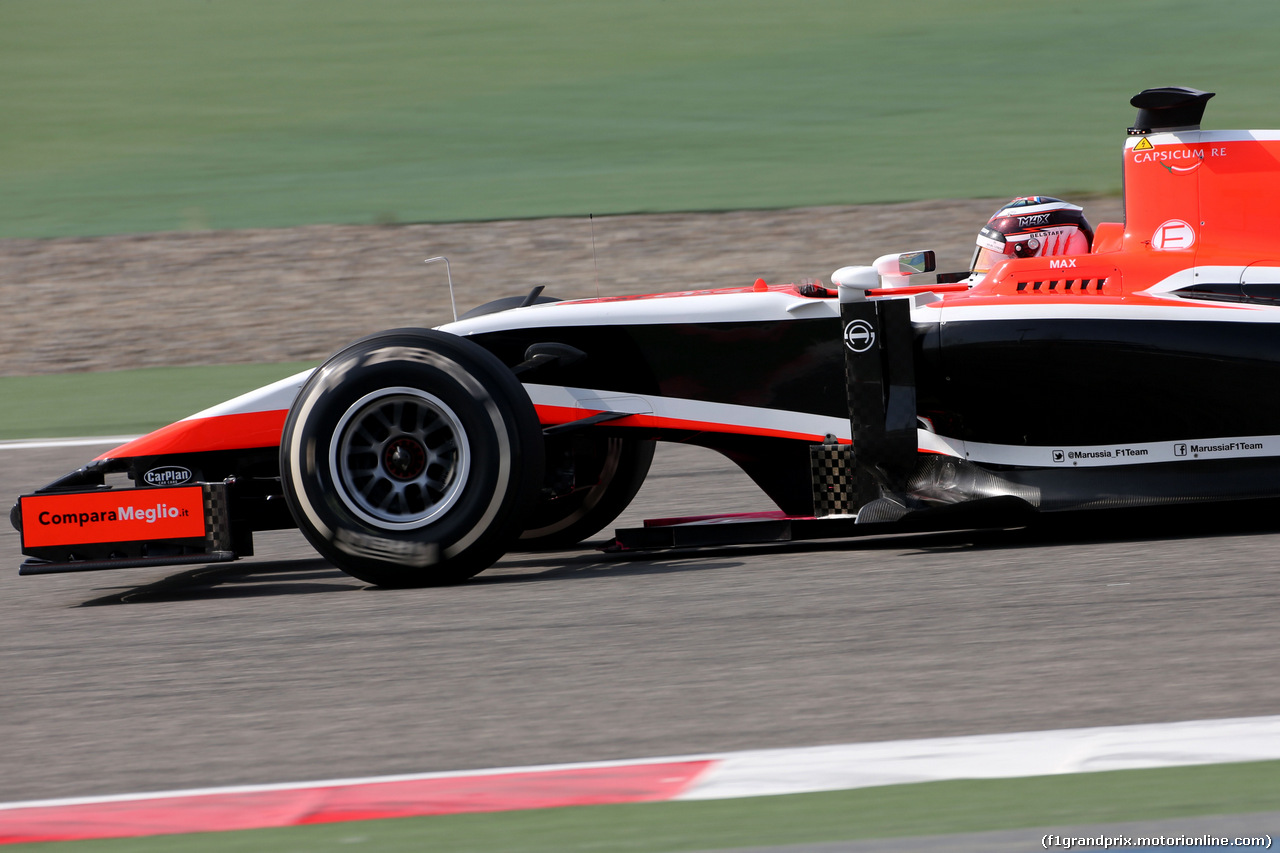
{"type": "Point", "coordinates": [399, 458]}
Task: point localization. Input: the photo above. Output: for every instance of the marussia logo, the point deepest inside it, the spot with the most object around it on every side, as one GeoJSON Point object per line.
{"type": "Point", "coordinates": [859, 336]}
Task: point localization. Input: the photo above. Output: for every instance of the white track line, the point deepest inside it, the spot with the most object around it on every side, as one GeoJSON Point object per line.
{"type": "Point", "coordinates": [41, 443]}
{"type": "Point", "coordinates": [1001, 756]}
{"type": "Point", "coordinates": [839, 767]}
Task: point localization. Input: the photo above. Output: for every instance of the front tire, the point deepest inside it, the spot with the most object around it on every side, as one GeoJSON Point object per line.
{"type": "Point", "coordinates": [408, 458]}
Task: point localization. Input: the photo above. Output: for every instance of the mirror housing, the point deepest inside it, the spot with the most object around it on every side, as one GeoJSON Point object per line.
{"type": "Point", "coordinates": [896, 270]}
{"type": "Point", "coordinates": [887, 272]}
{"type": "Point", "coordinates": [854, 282]}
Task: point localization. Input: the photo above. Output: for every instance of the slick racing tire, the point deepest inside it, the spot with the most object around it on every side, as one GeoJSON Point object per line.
{"type": "Point", "coordinates": [408, 458]}
{"type": "Point", "coordinates": [591, 480]}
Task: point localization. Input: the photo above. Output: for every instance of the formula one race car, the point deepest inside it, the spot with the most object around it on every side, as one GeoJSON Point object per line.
{"type": "Point", "coordinates": [1127, 367]}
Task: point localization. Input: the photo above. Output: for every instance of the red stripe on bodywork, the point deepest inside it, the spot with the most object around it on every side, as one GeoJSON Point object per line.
{"type": "Point", "coordinates": [767, 515]}
{"type": "Point", "coordinates": [244, 431]}
{"type": "Point", "coordinates": [919, 288]}
{"type": "Point", "coordinates": [372, 800]}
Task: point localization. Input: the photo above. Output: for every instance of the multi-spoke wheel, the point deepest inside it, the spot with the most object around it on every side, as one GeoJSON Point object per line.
{"type": "Point", "coordinates": [409, 457]}
{"type": "Point", "coordinates": [400, 458]}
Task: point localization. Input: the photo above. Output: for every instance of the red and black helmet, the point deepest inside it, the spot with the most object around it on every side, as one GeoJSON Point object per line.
{"type": "Point", "coordinates": [1033, 226]}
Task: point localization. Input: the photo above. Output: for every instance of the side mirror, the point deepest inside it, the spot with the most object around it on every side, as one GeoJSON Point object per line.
{"type": "Point", "coordinates": [888, 271]}
{"type": "Point", "coordinates": [911, 263]}
{"type": "Point", "coordinates": [894, 270]}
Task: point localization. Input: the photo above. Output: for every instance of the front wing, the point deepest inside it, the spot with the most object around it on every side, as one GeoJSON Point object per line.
{"type": "Point", "coordinates": [105, 528]}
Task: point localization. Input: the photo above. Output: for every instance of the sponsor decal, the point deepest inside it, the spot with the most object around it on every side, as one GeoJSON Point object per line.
{"type": "Point", "coordinates": [859, 336]}
{"type": "Point", "coordinates": [167, 475]}
{"type": "Point", "coordinates": [417, 554]}
{"type": "Point", "coordinates": [1172, 235]}
{"type": "Point", "coordinates": [1129, 454]}
{"type": "Point", "coordinates": [1179, 161]}
{"type": "Point", "coordinates": [1065, 264]}
{"type": "Point", "coordinates": [1230, 447]}
{"type": "Point", "coordinates": [1031, 221]}
{"type": "Point", "coordinates": [1109, 455]}
{"type": "Point", "coordinates": [112, 516]}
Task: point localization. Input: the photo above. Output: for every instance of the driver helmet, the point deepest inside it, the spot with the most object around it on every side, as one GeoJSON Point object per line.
{"type": "Point", "coordinates": [1034, 226]}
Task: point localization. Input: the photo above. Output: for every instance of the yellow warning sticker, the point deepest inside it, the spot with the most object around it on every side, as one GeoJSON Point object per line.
{"type": "Point", "coordinates": [1144, 144]}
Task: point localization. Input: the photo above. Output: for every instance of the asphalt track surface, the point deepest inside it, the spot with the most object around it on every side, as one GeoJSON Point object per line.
{"type": "Point", "coordinates": [280, 668]}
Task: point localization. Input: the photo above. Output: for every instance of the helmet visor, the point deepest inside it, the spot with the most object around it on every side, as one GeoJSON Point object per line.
{"type": "Point", "coordinates": [985, 258]}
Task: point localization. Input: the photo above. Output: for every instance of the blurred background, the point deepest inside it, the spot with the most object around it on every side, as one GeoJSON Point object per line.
{"type": "Point", "coordinates": [161, 115]}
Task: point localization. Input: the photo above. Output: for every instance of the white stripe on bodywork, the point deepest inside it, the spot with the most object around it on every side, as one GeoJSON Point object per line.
{"type": "Point", "coordinates": [1175, 312]}
{"type": "Point", "coordinates": [931, 442]}
{"type": "Point", "coordinates": [1201, 137]}
{"type": "Point", "coordinates": [728, 414]}
{"type": "Point", "coordinates": [751, 418]}
{"type": "Point", "coordinates": [674, 309]}
{"type": "Point", "coordinates": [1108, 455]}
{"type": "Point", "coordinates": [1259, 272]}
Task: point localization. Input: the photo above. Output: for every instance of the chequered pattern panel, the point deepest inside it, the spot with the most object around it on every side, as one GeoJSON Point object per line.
{"type": "Point", "coordinates": [831, 470]}
{"type": "Point", "coordinates": [216, 518]}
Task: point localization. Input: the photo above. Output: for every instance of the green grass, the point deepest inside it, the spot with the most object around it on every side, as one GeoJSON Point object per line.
{"type": "Point", "coordinates": [903, 810]}
{"type": "Point", "coordinates": [125, 402]}
{"type": "Point", "coordinates": [142, 115]}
